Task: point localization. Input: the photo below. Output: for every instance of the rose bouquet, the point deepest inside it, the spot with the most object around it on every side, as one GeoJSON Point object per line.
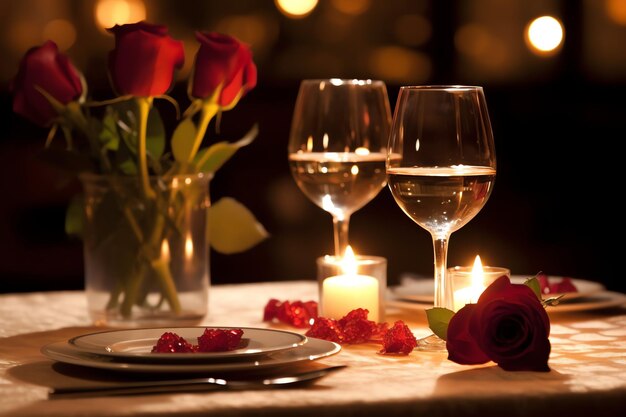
{"type": "Point", "coordinates": [145, 210]}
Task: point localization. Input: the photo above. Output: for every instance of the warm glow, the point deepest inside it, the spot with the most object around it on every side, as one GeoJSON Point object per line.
{"type": "Point", "coordinates": [478, 276]}
{"type": "Point", "coordinates": [616, 11]}
{"type": "Point", "coordinates": [412, 29]}
{"type": "Point", "coordinates": [118, 12]}
{"type": "Point", "coordinates": [309, 144]}
{"type": "Point", "coordinates": [401, 65]}
{"type": "Point", "coordinates": [348, 263]}
{"type": "Point", "coordinates": [362, 151]}
{"type": "Point", "coordinates": [352, 7]}
{"type": "Point", "coordinates": [296, 9]}
{"type": "Point", "coordinates": [61, 31]}
{"type": "Point", "coordinates": [188, 247]}
{"type": "Point", "coordinates": [544, 35]}
{"type": "Point", "coordinates": [165, 250]}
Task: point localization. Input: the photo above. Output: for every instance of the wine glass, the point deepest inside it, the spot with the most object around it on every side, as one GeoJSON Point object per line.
{"type": "Point", "coordinates": [441, 168]}
{"type": "Point", "coordinates": [337, 146]}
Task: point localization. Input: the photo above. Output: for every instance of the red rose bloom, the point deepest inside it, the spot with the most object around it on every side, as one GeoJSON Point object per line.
{"type": "Point", "coordinates": [508, 325]}
{"type": "Point", "coordinates": [51, 71]}
{"type": "Point", "coordinates": [223, 60]}
{"type": "Point", "coordinates": [143, 61]}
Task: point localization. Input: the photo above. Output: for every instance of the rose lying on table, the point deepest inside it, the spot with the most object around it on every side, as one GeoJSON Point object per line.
{"type": "Point", "coordinates": [212, 340]}
{"type": "Point", "coordinates": [353, 328]}
{"type": "Point", "coordinates": [508, 325]}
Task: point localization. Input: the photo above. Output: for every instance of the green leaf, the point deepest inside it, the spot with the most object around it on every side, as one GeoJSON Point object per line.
{"type": "Point", "coordinates": [533, 284]}
{"type": "Point", "coordinates": [209, 160]}
{"type": "Point", "coordinates": [552, 301]}
{"type": "Point", "coordinates": [183, 140]}
{"type": "Point", "coordinates": [438, 320]}
{"type": "Point", "coordinates": [108, 133]}
{"type": "Point", "coordinates": [155, 134]}
{"type": "Point", "coordinates": [232, 227]}
{"type": "Point", "coordinates": [74, 216]}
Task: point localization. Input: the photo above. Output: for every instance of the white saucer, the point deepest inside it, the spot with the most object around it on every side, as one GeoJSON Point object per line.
{"type": "Point", "coordinates": [136, 344]}
{"type": "Point", "coordinates": [313, 350]}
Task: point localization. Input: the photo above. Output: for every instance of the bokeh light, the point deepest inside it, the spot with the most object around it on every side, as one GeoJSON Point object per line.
{"type": "Point", "coordinates": [61, 31]}
{"type": "Point", "coordinates": [296, 9]}
{"type": "Point", "coordinates": [401, 65]}
{"type": "Point", "coordinates": [412, 29]}
{"type": "Point", "coordinates": [118, 12]}
{"type": "Point", "coordinates": [544, 35]}
{"type": "Point", "coordinates": [616, 11]}
{"type": "Point", "coordinates": [352, 7]}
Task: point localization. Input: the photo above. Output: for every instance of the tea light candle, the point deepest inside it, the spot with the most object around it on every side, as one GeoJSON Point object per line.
{"type": "Point", "coordinates": [469, 285]}
{"type": "Point", "coordinates": [343, 293]}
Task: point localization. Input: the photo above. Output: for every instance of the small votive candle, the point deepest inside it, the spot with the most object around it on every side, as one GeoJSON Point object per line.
{"type": "Point", "coordinates": [352, 282]}
{"type": "Point", "coordinates": [469, 283]}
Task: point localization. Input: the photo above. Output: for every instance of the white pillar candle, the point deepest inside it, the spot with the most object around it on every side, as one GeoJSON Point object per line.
{"type": "Point", "coordinates": [344, 293]}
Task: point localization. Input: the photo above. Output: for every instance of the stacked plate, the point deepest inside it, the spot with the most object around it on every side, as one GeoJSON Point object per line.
{"type": "Point", "coordinates": [131, 350]}
{"type": "Point", "coordinates": [418, 294]}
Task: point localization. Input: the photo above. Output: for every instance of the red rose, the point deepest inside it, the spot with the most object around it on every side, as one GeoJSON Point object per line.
{"type": "Point", "coordinates": [143, 61]}
{"type": "Point", "coordinates": [223, 60]}
{"type": "Point", "coordinates": [508, 325]}
{"type": "Point", "coordinates": [51, 71]}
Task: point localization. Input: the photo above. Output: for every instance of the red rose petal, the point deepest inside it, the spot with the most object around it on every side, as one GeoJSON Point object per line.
{"type": "Point", "coordinates": [398, 340]}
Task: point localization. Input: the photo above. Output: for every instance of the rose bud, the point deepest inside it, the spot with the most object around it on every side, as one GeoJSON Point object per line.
{"type": "Point", "coordinates": [45, 68]}
{"type": "Point", "coordinates": [508, 325]}
{"type": "Point", "coordinates": [143, 61]}
{"type": "Point", "coordinates": [222, 60]}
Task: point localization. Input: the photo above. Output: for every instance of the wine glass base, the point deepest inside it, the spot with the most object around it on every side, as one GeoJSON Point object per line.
{"type": "Point", "coordinates": [432, 343]}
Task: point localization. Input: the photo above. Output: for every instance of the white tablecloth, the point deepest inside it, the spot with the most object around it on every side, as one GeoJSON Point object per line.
{"type": "Point", "coordinates": [588, 363]}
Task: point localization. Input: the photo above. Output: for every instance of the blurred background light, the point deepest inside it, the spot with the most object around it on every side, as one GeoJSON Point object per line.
{"type": "Point", "coordinates": [352, 7]}
{"type": "Point", "coordinates": [544, 35]}
{"type": "Point", "coordinates": [118, 12]}
{"type": "Point", "coordinates": [616, 11]}
{"type": "Point", "coordinates": [295, 9]}
{"type": "Point", "coordinates": [61, 31]}
{"type": "Point", "coordinates": [412, 29]}
{"type": "Point", "coordinates": [399, 65]}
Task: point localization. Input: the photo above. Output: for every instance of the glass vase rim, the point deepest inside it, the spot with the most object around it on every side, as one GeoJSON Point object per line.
{"type": "Point", "coordinates": [92, 176]}
{"type": "Point", "coordinates": [441, 87]}
{"type": "Point", "coordinates": [340, 82]}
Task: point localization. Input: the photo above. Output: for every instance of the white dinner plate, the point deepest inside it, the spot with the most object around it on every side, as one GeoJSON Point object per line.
{"type": "Point", "coordinates": [313, 350]}
{"type": "Point", "coordinates": [136, 344]}
{"type": "Point", "coordinates": [422, 290]}
{"type": "Point", "coordinates": [596, 301]}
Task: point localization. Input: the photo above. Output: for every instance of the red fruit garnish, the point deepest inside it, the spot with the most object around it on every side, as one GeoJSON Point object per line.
{"type": "Point", "coordinates": [327, 329]}
{"type": "Point", "coordinates": [219, 340]}
{"type": "Point", "coordinates": [294, 313]}
{"type": "Point", "coordinates": [398, 340]}
{"type": "Point", "coordinates": [547, 287]}
{"type": "Point", "coordinates": [356, 327]}
{"type": "Point", "coordinates": [172, 343]}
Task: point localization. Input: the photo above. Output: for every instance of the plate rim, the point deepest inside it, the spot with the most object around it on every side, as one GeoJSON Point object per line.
{"type": "Point", "coordinates": [185, 357]}
{"type": "Point", "coordinates": [428, 298]}
{"type": "Point", "coordinates": [313, 350]}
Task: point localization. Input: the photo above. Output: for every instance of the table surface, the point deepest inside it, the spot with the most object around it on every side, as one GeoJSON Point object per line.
{"type": "Point", "coordinates": [587, 377]}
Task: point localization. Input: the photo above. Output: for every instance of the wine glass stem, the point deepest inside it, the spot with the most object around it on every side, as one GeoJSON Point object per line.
{"type": "Point", "coordinates": [443, 287]}
{"type": "Point", "coordinates": [340, 228]}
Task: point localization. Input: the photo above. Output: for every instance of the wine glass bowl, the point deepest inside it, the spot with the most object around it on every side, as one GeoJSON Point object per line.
{"type": "Point", "coordinates": [441, 167]}
{"type": "Point", "coordinates": [337, 146]}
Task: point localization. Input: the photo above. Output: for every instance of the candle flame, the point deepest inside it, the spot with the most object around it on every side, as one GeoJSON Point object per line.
{"type": "Point", "coordinates": [188, 247]}
{"type": "Point", "coordinates": [478, 276]}
{"type": "Point", "coordinates": [348, 263]}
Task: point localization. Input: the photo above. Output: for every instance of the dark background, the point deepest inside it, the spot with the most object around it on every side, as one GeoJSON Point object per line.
{"type": "Point", "coordinates": [559, 125]}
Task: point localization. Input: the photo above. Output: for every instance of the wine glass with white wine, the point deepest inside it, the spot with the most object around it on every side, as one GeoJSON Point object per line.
{"type": "Point", "coordinates": [441, 168]}
{"type": "Point", "coordinates": [338, 146]}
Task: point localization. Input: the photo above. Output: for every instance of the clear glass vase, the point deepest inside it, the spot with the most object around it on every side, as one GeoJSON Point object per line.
{"type": "Point", "coordinates": [146, 253]}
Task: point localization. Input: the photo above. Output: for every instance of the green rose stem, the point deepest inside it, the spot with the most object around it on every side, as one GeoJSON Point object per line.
{"type": "Point", "coordinates": [151, 247]}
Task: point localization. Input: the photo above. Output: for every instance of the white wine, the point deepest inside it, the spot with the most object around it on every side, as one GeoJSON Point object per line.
{"type": "Point", "coordinates": [441, 199]}
{"type": "Point", "coordinates": [339, 182]}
